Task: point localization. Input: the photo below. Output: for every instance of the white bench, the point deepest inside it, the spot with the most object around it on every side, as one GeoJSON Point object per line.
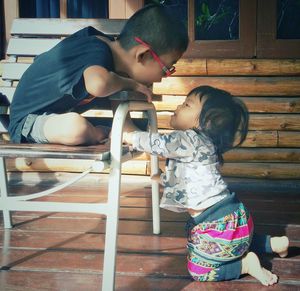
{"type": "Point", "coordinates": [30, 37]}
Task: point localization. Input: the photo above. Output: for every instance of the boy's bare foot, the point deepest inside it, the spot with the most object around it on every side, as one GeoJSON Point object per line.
{"type": "Point", "coordinates": [252, 266]}
{"type": "Point", "coordinates": [280, 245]}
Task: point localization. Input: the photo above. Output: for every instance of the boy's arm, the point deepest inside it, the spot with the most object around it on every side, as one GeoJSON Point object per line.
{"type": "Point", "coordinates": [101, 83]}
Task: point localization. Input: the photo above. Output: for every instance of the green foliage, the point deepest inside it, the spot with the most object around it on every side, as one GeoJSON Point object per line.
{"type": "Point", "coordinates": [156, 1]}
{"type": "Point", "coordinates": [205, 20]}
{"type": "Point", "coordinates": [159, 1]}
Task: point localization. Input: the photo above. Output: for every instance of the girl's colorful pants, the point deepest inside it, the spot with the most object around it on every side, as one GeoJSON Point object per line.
{"type": "Point", "coordinates": [219, 237]}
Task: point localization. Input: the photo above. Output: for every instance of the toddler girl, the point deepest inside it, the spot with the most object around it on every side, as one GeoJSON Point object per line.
{"type": "Point", "coordinates": [221, 243]}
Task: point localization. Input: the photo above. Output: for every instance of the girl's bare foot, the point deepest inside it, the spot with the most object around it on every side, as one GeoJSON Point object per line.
{"type": "Point", "coordinates": [252, 266]}
{"type": "Point", "coordinates": [280, 245]}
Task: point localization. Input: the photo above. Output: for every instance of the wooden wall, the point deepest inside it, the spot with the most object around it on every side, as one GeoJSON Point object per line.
{"type": "Point", "coordinates": [271, 91]}
{"type": "Point", "coordinates": [269, 87]}
{"type": "Point", "coordinates": [118, 9]}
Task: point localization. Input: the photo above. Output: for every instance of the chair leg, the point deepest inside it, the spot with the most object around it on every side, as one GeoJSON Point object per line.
{"type": "Point", "coordinates": [154, 170]}
{"type": "Point", "coordinates": [155, 208]}
{"type": "Point", "coordinates": [5, 258]}
{"type": "Point", "coordinates": [111, 231]}
{"type": "Point", "coordinates": [4, 195]}
{"type": "Point", "coordinates": [155, 197]}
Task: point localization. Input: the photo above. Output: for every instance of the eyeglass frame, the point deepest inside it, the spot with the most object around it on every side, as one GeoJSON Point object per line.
{"type": "Point", "coordinates": [167, 71]}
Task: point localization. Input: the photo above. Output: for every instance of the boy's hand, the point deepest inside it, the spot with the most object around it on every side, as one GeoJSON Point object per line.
{"type": "Point", "coordinates": [145, 90]}
{"type": "Point", "coordinates": [100, 83]}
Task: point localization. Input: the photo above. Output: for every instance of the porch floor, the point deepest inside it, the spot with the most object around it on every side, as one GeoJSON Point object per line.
{"type": "Point", "coordinates": [64, 251]}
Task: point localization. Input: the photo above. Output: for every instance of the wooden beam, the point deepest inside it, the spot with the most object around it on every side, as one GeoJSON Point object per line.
{"type": "Point", "coordinates": [288, 139]}
{"type": "Point", "coordinates": [254, 104]}
{"type": "Point", "coordinates": [234, 67]}
{"type": "Point", "coordinates": [116, 9]}
{"type": "Point", "coordinates": [253, 67]}
{"type": "Point", "coordinates": [11, 11]}
{"type": "Point", "coordinates": [233, 169]}
{"type": "Point", "coordinates": [132, 6]}
{"type": "Point", "coordinates": [291, 155]}
{"type": "Point", "coordinates": [263, 154]}
{"type": "Point", "coordinates": [262, 170]}
{"type": "Point", "coordinates": [237, 67]}
{"type": "Point", "coordinates": [256, 170]}
{"type": "Point", "coordinates": [238, 86]}
{"type": "Point", "coordinates": [123, 9]}
{"type": "Point", "coordinates": [61, 165]}
{"type": "Point", "coordinates": [63, 8]}
{"type": "Point", "coordinates": [268, 139]}
{"type": "Point", "coordinates": [272, 104]}
{"type": "Point", "coordinates": [256, 121]}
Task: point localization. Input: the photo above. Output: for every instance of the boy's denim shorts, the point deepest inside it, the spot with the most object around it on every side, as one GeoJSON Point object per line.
{"type": "Point", "coordinates": [33, 128]}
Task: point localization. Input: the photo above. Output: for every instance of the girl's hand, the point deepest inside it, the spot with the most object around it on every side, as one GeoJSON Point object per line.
{"type": "Point", "coordinates": [156, 177]}
{"type": "Point", "coordinates": [127, 137]}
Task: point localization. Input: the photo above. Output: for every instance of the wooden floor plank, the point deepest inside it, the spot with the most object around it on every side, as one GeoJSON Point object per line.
{"type": "Point", "coordinates": [142, 198]}
{"type": "Point", "coordinates": [150, 244]}
{"type": "Point", "coordinates": [168, 228]}
{"type": "Point", "coordinates": [129, 182]}
{"type": "Point", "coordinates": [64, 251]}
{"type": "Point", "coordinates": [56, 281]}
{"type": "Point", "coordinates": [142, 264]}
{"type": "Point", "coordinates": [135, 243]}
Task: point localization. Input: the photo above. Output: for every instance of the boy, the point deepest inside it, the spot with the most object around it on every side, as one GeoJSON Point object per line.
{"type": "Point", "coordinates": [87, 65]}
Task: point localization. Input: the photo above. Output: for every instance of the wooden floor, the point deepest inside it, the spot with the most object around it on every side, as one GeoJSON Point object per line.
{"type": "Point", "coordinates": [61, 251]}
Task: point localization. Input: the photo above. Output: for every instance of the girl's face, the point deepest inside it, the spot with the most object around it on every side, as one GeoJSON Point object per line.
{"type": "Point", "coordinates": [186, 116]}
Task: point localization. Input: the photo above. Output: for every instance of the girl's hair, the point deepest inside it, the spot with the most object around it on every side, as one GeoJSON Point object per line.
{"type": "Point", "coordinates": [223, 118]}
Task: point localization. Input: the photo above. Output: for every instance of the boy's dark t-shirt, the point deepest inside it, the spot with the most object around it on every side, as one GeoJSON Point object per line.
{"type": "Point", "coordinates": [54, 83]}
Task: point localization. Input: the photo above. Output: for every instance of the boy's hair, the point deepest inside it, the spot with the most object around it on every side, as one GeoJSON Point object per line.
{"type": "Point", "coordinates": [223, 118]}
{"type": "Point", "coordinates": [155, 25]}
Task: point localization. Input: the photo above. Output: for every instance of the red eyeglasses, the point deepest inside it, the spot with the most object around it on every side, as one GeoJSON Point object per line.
{"type": "Point", "coordinates": [167, 71]}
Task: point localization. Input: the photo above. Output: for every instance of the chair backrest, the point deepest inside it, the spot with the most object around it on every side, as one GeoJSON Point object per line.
{"type": "Point", "coordinates": [31, 37]}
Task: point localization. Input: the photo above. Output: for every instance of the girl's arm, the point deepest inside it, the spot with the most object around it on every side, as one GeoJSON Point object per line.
{"type": "Point", "coordinates": [174, 145]}
{"type": "Point", "coordinates": [127, 137]}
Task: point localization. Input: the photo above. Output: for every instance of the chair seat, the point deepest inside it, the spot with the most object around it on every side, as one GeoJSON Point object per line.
{"type": "Point", "coordinates": [96, 152]}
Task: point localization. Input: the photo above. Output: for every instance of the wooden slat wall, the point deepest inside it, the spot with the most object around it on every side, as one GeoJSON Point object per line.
{"type": "Point", "coordinates": [269, 88]}
{"type": "Point", "coordinates": [123, 9]}
{"type": "Point", "coordinates": [11, 11]}
{"type": "Point", "coordinates": [271, 91]}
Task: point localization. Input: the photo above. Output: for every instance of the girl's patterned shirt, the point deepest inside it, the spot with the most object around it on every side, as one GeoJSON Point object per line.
{"type": "Point", "coordinates": [192, 179]}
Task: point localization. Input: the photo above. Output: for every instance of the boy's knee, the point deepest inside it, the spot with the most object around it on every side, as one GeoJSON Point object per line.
{"type": "Point", "coordinates": [69, 129]}
{"type": "Point", "coordinates": [73, 119]}
{"type": "Point", "coordinates": [75, 128]}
